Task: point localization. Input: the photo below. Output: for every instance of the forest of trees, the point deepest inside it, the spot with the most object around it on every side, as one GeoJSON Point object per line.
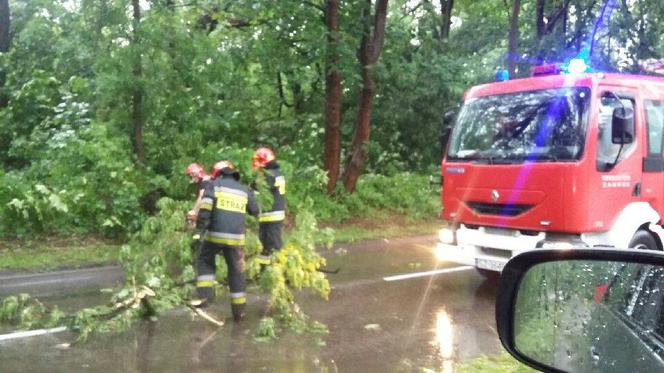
{"type": "Point", "coordinates": [103, 103]}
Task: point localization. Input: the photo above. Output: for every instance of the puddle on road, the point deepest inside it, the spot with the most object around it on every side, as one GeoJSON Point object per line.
{"type": "Point", "coordinates": [68, 303]}
{"type": "Point", "coordinates": [173, 343]}
{"type": "Point", "coordinates": [419, 323]}
{"type": "Point", "coordinates": [453, 323]}
{"type": "Point", "coordinates": [381, 261]}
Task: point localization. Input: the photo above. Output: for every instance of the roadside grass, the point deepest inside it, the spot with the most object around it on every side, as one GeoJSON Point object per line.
{"type": "Point", "coordinates": [57, 253]}
{"type": "Point", "coordinates": [383, 226]}
{"type": "Point", "coordinates": [503, 363]}
{"type": "Point", "coordinates": [52, 253]}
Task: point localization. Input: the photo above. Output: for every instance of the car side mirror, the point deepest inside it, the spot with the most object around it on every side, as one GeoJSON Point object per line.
{"type": "Point", "coordinates": [622, 126]}
{"type": "Point", "coordinates": [450, 116]}
{"type": "Point", "coordinates": [444, 138]}
{"type": "Point", "coordinates": [446, 129]}
{"type": "Point", "coordinates": [583, 310]}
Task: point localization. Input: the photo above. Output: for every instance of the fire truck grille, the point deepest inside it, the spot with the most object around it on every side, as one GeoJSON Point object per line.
{"type": "Point", "coordinates": [497, 208]}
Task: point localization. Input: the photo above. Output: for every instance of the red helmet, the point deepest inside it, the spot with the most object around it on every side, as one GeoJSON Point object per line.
{"type": "Point", "coordinates": [222, 166]}
{"type": "Point", "coordinates": [262, 157]}
{"type": "Point", "coordinates": [195, 170]}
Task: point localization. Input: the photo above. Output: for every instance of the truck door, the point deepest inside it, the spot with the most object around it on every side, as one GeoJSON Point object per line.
{"type": "Point", "coordinates": [653, 162]}
{"type": "Point", "coordinates": [618, 180]}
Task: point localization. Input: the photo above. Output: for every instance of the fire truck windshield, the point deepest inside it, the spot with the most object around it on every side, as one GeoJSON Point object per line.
{"type": "Point", "coordinates": [539, 126]}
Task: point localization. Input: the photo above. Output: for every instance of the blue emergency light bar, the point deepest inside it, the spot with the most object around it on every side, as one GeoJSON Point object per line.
{"type": "Point", "coordinates": [575, 66]}
{"type": "Point", "coordinates": [549, 69]}
{"type": "Point", "coordinates": [502, 75]}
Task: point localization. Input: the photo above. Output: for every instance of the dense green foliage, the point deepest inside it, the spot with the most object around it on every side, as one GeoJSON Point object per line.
{"type": "Point", "coordinates": [217, 78]}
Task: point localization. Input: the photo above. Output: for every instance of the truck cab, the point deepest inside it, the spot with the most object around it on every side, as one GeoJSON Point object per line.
{"type": "Point", "coordinates": [552, 161]}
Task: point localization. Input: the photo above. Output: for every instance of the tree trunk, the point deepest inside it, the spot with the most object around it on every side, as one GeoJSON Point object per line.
{"type": "Point", "coordinates": [5, 37]}
{"type": "Point", "coordinates": [5, 43]}
{"type": "Point", "coordinates": [299, 99]}
{"type": "Point", "coordinates": [332, 151]}
{"type": "Point", "coordinates": [539, 19]}
{"type": "Point", "coordinates": [513, 40]}
{"type": "Point", "coordinates": [565, 16]}
{"type": "Point", "coordinates": [446, 15]}
{"type": "Point", "coordinates": [356, 156]}
{"type": "Point", "coordinates": [578, 41]}
{"type": "Point", "coordinates": [371, 46]}
{"type": "Point", "coordinates": [602, 22]}
{"type": "Point", "coordinates": [100, 22]}
{"type": "Point", "coordinates": [137, 94]}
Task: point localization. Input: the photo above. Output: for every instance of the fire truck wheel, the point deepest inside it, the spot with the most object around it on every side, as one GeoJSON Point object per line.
{"type": "Point", "coordinates": [643, 240]}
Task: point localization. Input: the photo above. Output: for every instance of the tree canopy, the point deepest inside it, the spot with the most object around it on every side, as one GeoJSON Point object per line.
{"type": "Point", "coordinates": [104, 102]}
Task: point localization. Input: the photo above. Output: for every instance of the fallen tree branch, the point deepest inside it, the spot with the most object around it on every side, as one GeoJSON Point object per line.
{"type": "Point", "coordinates": [206, 316]}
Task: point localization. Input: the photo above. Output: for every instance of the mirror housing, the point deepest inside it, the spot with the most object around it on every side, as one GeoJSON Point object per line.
{"type": "Point", "coordinates": [622, 126]}
{"type": "Point", "coordinates": [446, 128]}
{"type": "Point", "coordinates": [608, 342]}
{"type": "Point", "coordinates": [450, 116]}
{"type": "Point", "coordinates": [444, 138]}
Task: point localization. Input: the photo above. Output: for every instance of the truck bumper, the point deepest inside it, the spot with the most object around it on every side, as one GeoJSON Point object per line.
{"type": "Point", "coordinates": [471, 257]}
{"type": "Point", "coordinates": [484, 247]}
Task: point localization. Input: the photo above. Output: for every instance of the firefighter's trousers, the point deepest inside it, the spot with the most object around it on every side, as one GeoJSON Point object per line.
{"type": "Point", "coordinates": [205, 282]}
{"type": "Point", "coordinates": [270, 236]}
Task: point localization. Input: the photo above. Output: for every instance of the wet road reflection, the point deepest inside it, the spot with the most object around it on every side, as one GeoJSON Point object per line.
{"type": "Point", "coordinates": [375, 325]}
{"type": "Point", "coordinates": [445, 340]}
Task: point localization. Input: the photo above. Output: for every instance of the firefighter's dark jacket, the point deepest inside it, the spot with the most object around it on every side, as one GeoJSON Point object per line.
{"type": "Point", "coordinates": [204, 183]}
{"type": "Point", "coordinates": [221, 216]}
{"type": "Point", "coordinates": [277, 184]}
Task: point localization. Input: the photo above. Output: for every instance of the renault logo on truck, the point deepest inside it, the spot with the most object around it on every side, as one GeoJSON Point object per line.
{"type": "Point", "coordinates": [495, 195]}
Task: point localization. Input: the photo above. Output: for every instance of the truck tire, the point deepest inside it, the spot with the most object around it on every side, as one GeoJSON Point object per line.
{"type": "Point", "coordinates": [643, 240]}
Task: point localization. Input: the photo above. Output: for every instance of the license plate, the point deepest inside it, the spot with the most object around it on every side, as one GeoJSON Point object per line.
{"type": "Point", "coordinates": [492, 265]}
{"type": "Point", "coordinates": [499, 231]}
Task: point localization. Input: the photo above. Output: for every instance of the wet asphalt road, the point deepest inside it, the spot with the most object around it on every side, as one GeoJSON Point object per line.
{"type": "Point", "coordinates": [61, 282]}
{"type": "Point", "coordinates": [374, 325]}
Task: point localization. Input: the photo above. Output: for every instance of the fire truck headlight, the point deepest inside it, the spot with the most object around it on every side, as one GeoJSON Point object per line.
{"type": "Point", "coordinates": [447, 236]}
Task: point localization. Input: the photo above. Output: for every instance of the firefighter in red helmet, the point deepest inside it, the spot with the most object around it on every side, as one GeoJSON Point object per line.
{"type": "Point", "coordinates": [221, 227]}
{"type": "Point", "coordinates": [270, 222]}
{"type": "Point", "coordinates": [200, 178]}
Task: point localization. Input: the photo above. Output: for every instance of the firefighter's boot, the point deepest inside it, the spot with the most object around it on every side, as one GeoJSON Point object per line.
{"type": "Point", "coordinates": [236, 281]}
{"type": "Point", "coordinates": [205, 291]}
{"type": "Point", "coordinates": [264, 259]}
{"type": "Point", "coordinates": [238, 311]}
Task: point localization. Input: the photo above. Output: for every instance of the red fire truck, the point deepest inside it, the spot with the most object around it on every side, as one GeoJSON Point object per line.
{"type": "Point", "coordinates": [565, 157]}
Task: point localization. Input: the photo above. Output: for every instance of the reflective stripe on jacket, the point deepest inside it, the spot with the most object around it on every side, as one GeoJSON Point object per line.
{"type": "Point", "coordinates": [272, 216]}
{"type": "Point", "coordinates": [276, 182]}
{"type": "Point", "coordinates": [223, 206]}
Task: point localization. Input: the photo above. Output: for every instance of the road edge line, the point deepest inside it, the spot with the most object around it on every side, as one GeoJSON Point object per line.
{"type": "Point", "coordinates": [31, 333]}
{"type": "Point", "coordinates": [408, 276]}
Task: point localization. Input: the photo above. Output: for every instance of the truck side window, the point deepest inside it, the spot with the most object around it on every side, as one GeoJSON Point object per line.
{"type": "Point", "coordinates": [606, 149]}
{"type": "Point", "coordinates": [655, 123]}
